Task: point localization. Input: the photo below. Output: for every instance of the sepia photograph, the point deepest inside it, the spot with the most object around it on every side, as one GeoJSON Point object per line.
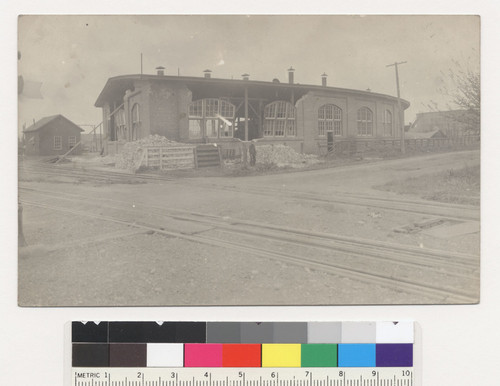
{"type": "Point", "coordinates": [200, 160]}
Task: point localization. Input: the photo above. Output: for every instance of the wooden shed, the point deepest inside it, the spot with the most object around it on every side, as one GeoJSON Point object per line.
{"type": "Point", "coordinates": [50, 136]}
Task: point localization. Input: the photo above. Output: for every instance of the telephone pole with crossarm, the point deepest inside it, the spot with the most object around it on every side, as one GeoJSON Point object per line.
{"type": "Point", "coordinates": [395, 64]}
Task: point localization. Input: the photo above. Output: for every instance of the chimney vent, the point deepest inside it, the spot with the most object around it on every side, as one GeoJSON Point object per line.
{"type": "Point", "coordinates": [160, 71]}
{"type": "Point", "coordinates": [245, 76]}
{"type": "Point", "coordinates": [290, 75]}
{"type": "Point", "coordinates": [208, 73]}
{"type": "Point", "coordinates": [323, 79]}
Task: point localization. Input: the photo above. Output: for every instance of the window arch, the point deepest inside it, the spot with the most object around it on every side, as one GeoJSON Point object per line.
{"type": "Point", "coordinates": [211, 117]}
{"type": "Point", "coordinates": [365, 121]}
{"type": "Point", "coordinates": [279, 120]}
{"type": "Point", "coordinates": [136, 122]}
{"type": "Point", "coordinates": [387, 123]}
{"type": "Point", "coordinates": [329, 119]}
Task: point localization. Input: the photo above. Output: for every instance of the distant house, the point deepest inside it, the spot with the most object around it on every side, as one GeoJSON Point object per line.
{"type": "Point", "coordinates": [53, 135]}
{"type": "Point", "coordinates": [452, 123]}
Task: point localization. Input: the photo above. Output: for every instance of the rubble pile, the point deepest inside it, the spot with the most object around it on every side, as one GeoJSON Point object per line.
{"type": "Point", "coordinates": [282, 155]}
{"type": "Point", "coordinates": [132, 154]}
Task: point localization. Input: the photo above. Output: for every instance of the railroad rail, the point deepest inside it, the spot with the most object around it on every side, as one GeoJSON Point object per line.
{"type": "Point", "coordinates": [450, 211]}
{"type": "Point", "coordinates": [443, 275]}
{"type": "Point", "coordinates": [454, 212]}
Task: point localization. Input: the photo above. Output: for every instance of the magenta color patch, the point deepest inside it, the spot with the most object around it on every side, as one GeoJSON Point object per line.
{"type": "Point", "coordinates": [202, 355]}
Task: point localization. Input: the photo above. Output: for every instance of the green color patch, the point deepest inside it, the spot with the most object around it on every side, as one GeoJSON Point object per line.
{"type": "Point", "coordinates": [319, 355]}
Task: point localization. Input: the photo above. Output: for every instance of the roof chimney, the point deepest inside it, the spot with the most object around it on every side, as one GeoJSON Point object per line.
{"type": "Point", "coordinates": [290, 75]}
{"type": "Point", "coordinates": [245, 76]}
{"type": "Point", "coordinates": [323, 79]}
{"type": "Point", "coordinates": [208, 73]}
{"type": "Point", "coordinates": [160, 71]}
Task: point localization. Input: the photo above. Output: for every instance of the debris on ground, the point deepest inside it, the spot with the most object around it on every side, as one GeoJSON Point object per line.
{"type": "Point", "coordinates": [419, 226]}
{"type": "Point", "coordinates": [94, 160]}
{"type": "Point", "coordinates": [57, 159]}
{"type": "Point", "coordinates": [282, 155]}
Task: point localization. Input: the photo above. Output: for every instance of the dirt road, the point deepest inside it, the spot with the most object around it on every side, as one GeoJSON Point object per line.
{"type": "Point", "coordinates": [312, 237]}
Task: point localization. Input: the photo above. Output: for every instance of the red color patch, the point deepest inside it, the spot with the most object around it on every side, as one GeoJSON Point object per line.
{"type": "Point", "coordinates": [241, 355]}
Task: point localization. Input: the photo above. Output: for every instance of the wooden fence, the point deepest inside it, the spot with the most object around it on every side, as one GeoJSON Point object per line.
{"type": "Point", "coordinates": [382, 145]}
{"type": "Point", "coordinates": [169, 158]}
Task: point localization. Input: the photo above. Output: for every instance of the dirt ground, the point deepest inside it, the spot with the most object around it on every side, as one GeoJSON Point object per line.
{"type": "Point", "coordinates": [79, 259]}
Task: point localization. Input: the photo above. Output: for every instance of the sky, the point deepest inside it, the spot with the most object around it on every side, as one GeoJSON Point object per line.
{"type": "Point", "coordinates": [73, 56]}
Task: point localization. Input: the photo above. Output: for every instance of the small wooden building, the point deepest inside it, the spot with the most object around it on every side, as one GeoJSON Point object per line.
{"type": "Point", "coordinates": [53, 135]}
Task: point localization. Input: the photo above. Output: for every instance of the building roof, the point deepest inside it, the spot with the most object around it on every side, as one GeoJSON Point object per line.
{"type": "Point", "coordinates": [443, 113]}
{"type": "Point", "coordinates": [45, 121]}
{"type": "Point", "coordinates": [423, 135]}
{"type": "Point", "coordinates": [206, 87]}
{"type": "Point", "coordinates": [432, 120]}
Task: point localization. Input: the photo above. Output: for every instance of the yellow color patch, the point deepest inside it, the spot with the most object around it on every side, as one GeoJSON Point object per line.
{"type": "Point", "coordinates": [281, 355]}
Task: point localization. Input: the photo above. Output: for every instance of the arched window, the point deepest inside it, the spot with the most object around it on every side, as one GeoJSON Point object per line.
{"type": "Point", "coordinates": [136, 122]}
{"type": "Point", "coordinates": [387, 123]}
{"type": "Point", "coordinates": [212, 118]}
{"type": "Point", "coordinates": [329, 119]}
{"type": "Point", "coordinates": [279, 120]}
{"type": "Point", "coordinates": [365, 122]}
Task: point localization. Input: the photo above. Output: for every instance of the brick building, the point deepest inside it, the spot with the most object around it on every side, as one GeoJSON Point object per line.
{"type": "Point", "coordinates": [51, 136]}
{"type": "Point", "coordinates": [225, 111]}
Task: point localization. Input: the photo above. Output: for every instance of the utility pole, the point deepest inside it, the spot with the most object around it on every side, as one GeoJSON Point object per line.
{"type": "Point", "coordinates": [246, 113]}
{"type": "Point", "coordinates": [245, 147]}
{"type": "Point", "coordinates": [403, 149]}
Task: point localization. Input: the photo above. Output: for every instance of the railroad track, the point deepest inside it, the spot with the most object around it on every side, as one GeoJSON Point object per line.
{"type": "Point", "coordinates": [444, 272]}
{"type": "Point", "coordinates": [92, 175]}
{"type": "Point", "coordinates": [453, 212]}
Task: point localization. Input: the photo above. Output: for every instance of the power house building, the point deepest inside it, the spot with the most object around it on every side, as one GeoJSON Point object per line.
{"type": "Point", "coordinates": [307, 118]}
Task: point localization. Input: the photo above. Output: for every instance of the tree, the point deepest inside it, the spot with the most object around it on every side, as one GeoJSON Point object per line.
{"type": "Point", "coordinates": [463, 89]}
{"type": "Point", "coordinates": [467, 93]}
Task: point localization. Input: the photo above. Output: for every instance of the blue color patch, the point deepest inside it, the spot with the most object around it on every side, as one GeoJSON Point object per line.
{"type": "Point", "coordinates": [356, 355]}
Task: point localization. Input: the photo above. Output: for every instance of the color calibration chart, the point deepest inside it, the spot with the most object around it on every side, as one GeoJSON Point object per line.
{"type": "Point", "coordinates": [243, 354]}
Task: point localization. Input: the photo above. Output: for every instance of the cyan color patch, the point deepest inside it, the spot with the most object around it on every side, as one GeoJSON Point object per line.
{"type": "Point", "coordinates": [356, 355]}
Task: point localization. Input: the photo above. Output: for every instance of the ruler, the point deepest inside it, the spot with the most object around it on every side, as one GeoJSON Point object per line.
{"type": "Point", "coordinates": [348, 376]}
